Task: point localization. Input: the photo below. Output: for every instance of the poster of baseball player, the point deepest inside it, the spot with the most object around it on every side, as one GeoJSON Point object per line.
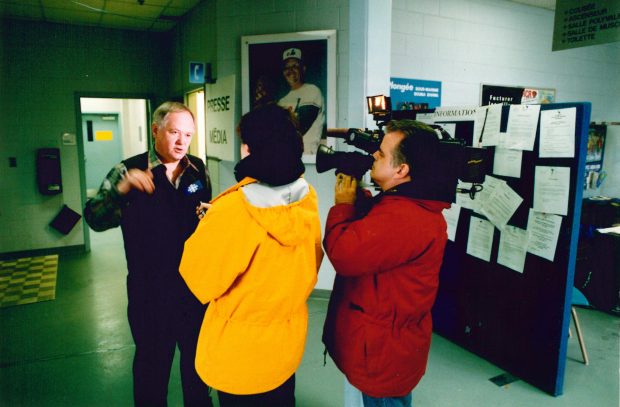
{"type": "Point", "coordinates": [292, 70]}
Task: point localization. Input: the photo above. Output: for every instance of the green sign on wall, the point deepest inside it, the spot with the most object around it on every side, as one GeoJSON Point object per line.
{"type": "Point", "coordinates": [579, 23]}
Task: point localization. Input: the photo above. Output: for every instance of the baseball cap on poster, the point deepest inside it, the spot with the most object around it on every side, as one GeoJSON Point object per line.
{"type": "Point", "coordinates": [291, 53]}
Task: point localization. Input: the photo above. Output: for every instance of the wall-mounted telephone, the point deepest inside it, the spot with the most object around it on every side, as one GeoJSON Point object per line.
{"type": "Point", "coordinates": [49, 179]}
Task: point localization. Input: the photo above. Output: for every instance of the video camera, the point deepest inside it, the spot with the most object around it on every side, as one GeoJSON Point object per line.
{"type": "Point", "coordinates": [351, 163]}
{"type": "Point", "coordinates": [457, 161]}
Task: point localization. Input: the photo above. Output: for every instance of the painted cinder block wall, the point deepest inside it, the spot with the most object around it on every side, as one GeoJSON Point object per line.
{"type": "Point", "coordinates": [465, 43]}
{"type": "Point", "coordinates": [462, 43]}
{"type": "Point", "coordinates": [42, 66]}
{"type": "Point", "coordinates": [219, 26]}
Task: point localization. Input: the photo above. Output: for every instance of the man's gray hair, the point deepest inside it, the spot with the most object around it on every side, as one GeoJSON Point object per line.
{"type": "Point", "coordinates": [161, 113]}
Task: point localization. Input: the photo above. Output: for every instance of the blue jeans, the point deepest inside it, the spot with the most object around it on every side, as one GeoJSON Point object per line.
{"type": "Point", "coordinates": [355, 398]}
{"type": "Point", "coordinates": [387, 401]}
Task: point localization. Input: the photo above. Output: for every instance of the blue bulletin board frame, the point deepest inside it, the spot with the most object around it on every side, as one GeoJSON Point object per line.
{"type": "Point", "coordinates": [518, 321]}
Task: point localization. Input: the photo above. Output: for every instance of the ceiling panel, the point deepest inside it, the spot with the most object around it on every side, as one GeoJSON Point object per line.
{"type": "Point", "coordinates": [66, 16]}
{"type": "Point", "coordinates": [73, 4]}
{"type": "Point", "coordinates": [146, 2]}
{"type": "Point", "coordinates": [134, 10]}
{"type": "Point", "coordinates": [125, 14]}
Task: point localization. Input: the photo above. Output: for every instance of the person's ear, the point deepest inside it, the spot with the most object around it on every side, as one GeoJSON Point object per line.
{"type": "Point", "coordinates": [154, 128]}
{"type": "Point", "coordinates": [403, 170]}
{"type": "Point", "coordinates": [245, 150]}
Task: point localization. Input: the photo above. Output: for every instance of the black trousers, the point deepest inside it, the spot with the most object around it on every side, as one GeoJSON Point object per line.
{"type": "Point", "coordinates": [158, 327]}
{"type": "Point", "coordinates": [281, 396]}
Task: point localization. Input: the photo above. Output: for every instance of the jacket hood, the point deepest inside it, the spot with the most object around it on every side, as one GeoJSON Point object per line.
{"type": "Point", "coordinates": [274, 166]}
{"type": "Point", "coordinates": [286, 212]}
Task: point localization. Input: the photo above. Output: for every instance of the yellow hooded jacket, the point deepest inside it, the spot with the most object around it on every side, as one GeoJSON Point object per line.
{"type": "Point", "coordinates": [256, 266]}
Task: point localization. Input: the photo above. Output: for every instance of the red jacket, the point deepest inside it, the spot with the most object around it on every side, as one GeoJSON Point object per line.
{"type": "Point", "coordinates": [378, 326]}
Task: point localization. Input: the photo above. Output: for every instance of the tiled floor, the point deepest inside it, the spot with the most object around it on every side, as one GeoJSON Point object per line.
{"type": "Point", "coordinates": [77, 351]}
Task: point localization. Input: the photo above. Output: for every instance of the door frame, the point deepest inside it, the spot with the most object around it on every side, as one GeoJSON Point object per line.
{"type": "Point", "coordinates": [149, 98]}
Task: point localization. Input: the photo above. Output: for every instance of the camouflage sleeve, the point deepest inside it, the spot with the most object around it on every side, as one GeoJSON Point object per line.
{"type": "Point", "coordinates": [103, 211]}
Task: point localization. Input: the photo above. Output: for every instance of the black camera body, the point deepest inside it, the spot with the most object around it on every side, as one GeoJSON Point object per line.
{"type": "Point", "coordinates": [468, 164]}
{"type": "Point", "coordinates": [457, 161]}
{"type": "Point", "coordinates": [354, 164]}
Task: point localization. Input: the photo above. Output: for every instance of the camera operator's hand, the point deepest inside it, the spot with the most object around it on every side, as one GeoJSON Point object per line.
{"type": "Point", "coordinates": [346, 189]}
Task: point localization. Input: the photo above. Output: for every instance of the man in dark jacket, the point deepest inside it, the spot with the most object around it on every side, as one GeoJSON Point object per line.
{"type": "Point", "coordinates": [154, 197]}
{"type": "Point", "coordinates": [378, 326]}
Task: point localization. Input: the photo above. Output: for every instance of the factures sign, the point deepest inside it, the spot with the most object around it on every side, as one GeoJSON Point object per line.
{"type": "Point", "coordinates": [515, 95]}
{"type": "Point", "coordinates": [220, 118]}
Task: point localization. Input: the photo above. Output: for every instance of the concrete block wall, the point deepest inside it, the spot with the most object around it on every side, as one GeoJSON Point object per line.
{"type": "Point", "coordinates": [466, 43]}
{"type": "Point", "coordinates": [238, 18]}
{"type": "Point", "coordinates": [462, 43]}
{"type": "Point", "coordinates": [42, 67]}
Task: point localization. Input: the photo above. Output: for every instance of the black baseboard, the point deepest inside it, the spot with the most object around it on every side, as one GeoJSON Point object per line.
{"type": "Point", "coordinates": [77, 249]}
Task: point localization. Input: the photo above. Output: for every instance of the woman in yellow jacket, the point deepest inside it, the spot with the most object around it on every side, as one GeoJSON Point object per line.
{"type": "Point", "coordinates": [254, 257]}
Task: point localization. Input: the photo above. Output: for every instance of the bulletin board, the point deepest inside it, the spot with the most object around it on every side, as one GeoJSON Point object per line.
{"type": "Point", "coordinates": [517, 320]}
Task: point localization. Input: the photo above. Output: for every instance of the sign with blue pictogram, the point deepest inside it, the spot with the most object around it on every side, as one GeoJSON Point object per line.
{"type": "Point", "coordinates": [197, 72]}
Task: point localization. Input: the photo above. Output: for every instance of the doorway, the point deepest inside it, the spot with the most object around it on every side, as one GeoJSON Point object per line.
{"type": "Point", "coordinates": [195, 101]}
{"type": "Point", "coordinates": [113, 129]}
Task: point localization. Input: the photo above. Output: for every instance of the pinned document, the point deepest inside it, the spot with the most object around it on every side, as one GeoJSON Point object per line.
{"type": "Point", "coordinates": [522, 124]}
{"type": "Point", "coordinates": [451, 215]}
{"type": "Point", "coordinates": [557, 133]}
{"type": "Point", "coordinates": [543, 230]}
{"type": "Point", "coordinates": [480, 239]}
{"type": "Point", "coordinates": [512, 248]}
{"type": "Point", "coordinates": [551, 188]}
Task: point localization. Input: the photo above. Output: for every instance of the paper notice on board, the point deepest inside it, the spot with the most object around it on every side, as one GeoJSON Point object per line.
{"type": "Point", "coordinates": [557, 133]}
{"type": "Point", "coordinates": [543, 230]}
{"type": "Point", "coordinates": [501, 205]}
{"type": "Point", "coordinates": [480, 239]}
{"type": "Point", "coordinates": [512, 248]}
{"type": "Point", "coordinates": [507, 162]}
{"type": "Point", "coordinates": [451, 215]}
{"type": "Point", "coordinates": [551, 188]}
{"type": "Point", "coordinates": [522, 124]}
{"type": "Point", "coordinates": [614, 230]}
{"type": "Point", "coordinates": [488, 187]}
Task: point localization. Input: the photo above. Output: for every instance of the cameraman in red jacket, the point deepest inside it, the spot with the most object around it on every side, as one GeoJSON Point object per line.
{"type": "Point", "coordinates": [378, 325]}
